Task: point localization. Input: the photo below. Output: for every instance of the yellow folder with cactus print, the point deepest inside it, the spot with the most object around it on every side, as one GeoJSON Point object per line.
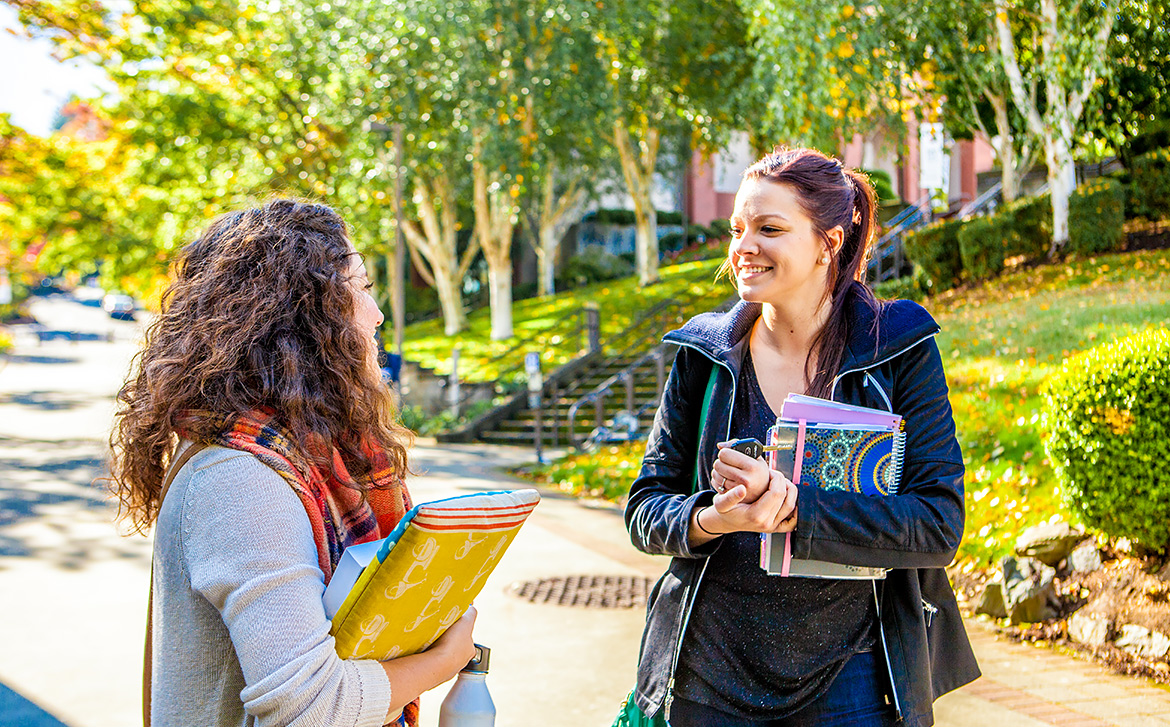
{"type": "Point", "coordinates": [426, 573]}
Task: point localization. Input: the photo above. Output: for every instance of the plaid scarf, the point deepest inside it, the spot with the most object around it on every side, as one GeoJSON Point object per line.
{"type": "Point", "coordinates": [338, 513]}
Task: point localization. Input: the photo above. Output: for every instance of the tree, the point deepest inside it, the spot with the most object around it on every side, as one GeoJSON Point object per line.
{"type": "Point", "coordinates": [1069, 58]}
{"type": "Point", "coordinates": [960, 40]}
{"type": "Point", "coordinates": [826, 70]}
{"type": "Point", "coordinates": [1133, 99]}
{"type": "Point", "coordinates": [672, 66]}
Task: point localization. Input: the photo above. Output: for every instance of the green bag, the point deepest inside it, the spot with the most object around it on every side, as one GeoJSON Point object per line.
{"type": "Point", "coordinates": [630, 715]}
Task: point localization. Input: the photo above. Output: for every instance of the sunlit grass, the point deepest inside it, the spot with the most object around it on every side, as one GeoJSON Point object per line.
{"type": "Point", "coordinates": [553, 325]}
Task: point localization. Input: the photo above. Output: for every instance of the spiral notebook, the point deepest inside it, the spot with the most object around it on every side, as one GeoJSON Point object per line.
{"type": "Point", "coordinates": [842, 447]}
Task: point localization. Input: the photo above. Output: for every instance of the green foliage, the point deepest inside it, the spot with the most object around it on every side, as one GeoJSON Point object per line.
{"type": "Point", "coordinates": [1096, 213]}
{"type": "Point", "coordinates": [1151, 184]}
{"type": "Point", "coordinates": [1026, 226]}
{"type": "Point", "coordinates": [915, 286]}
{"type": "Point", "coordinates": [719, 229]}
{"type": "Point", "coordinates": [936, 249]}
{"type": "Point", "coordinates": [1107, 413]}
{"type": "Point", "coordinates": [610, 216]}
{"type": "Point", "coordinates": [5, 342]}
{"type": "Point", "coordinates": [981, 243]}
{"type": "Point", "coordinates": [593, 265]}
{"type": "Point", "coordinates": [883, 185]}
{"type": "Point", "coordinates": [606, 473]}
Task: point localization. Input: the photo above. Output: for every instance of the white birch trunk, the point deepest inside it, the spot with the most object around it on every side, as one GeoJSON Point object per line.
{"type": "Point", "coordinates": [557, 213]}
{"type": "Point", "coordinates": [1009, 179]}
{"type": "Point", "coordinates": [1056, 125]}
{"type": "Point", "coordinates": [434, 250]}
{"type": "Point", "coordinates": [638, 170]}
{"type": "Point", "coordinates": [495, 221]}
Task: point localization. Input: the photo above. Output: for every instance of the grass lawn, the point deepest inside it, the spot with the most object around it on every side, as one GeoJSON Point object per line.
{"type": "Point", "coordinates": [999, 342]}
{"type": "Point", "coordinates": [553, 325]}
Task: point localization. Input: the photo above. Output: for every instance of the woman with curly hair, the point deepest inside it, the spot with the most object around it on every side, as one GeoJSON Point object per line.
{"type": "Point", "coordinates": [258, 385]}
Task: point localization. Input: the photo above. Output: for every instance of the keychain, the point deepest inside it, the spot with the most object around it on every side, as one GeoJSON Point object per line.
{"type": "Point", "coordinates": [751, 447]}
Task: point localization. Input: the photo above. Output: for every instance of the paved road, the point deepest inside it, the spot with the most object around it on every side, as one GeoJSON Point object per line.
{"type": "Point", "coordinates": [73, 590]}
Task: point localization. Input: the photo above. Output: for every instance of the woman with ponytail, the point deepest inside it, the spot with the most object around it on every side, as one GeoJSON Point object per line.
{"type": "Point", "coordinates": [725, 643]}
{"type": "Point", "coordinates": [258, 439]}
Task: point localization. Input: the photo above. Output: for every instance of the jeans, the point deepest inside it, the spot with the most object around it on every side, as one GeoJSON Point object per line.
{"type": "Point", "coordinates": [856, 698]}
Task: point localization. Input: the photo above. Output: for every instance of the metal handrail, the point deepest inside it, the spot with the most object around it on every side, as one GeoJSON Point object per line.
{"type": "Point", "coordinates": [912, 216]}
{"type": "Point", "coordinates": [984, 203]}
{"type": "Point", "coordinates": [626, 377]}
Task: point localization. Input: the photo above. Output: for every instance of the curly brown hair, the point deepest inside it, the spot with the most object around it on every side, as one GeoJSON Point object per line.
{"type": "Point", "coordinates": [261, 315]}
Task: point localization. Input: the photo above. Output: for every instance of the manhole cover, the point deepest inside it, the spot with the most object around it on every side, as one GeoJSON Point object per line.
{"type": "Point", "coordinates": [588, 591]}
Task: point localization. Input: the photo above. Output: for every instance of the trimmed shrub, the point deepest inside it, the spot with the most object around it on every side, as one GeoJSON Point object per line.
{"type": "Point", "coordinates": [1151, 184]}
{"type": "Point", "coordinates": [915, 287]}
{"type": "Point", "coordinates": [1026, 226]}
{"type": "Point", "coordinates": [5, 342]}
{"type": "Point", "coordinates": [883, 185]}
{"type": "Point", "coordinates": [981, 243]}
{"type": "Point", "coordinates": [1107, 416]}
{"type": "Point", "coordinates": [936, 249]}
{"type": "Point", "coordinates": [593, 265]}
{"type": "Point", "coordinates": [1096, 213]}
{"type": "Point", "coordinates": [719, 229]}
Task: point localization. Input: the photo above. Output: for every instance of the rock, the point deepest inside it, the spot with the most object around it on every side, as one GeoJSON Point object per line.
{"type": "Point", "coordinates": [1085, 558]}
{"type": "Point", "coordinates": [1028, 592]}
{"type": "Point", "coordinates": [991, 602]}
{"type": "Point", "coordinates": [1089, 629]}
{"type": "Point", "coordinates": [1048, 542]}
{"type": "Point", "coordinates": [1140, 641]}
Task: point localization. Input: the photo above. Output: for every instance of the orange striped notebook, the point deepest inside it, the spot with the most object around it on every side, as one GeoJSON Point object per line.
{"type": "Point", "coordinates": [423, 575]}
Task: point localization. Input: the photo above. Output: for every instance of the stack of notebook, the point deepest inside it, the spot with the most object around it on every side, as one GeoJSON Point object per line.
{"type": "Point", "coordinates": [835, 447]}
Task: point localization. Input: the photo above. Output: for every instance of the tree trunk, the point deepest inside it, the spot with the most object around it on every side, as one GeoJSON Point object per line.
{"type": "Point", "coordinates": [495, 222]}
{"type": "Point", "coordinates": [1061, 179]}
{"type": "Point", "coordinates": [638, 170]}
{"type": "Point", "coordinates": [1009, 180]}
{"type": "Point", "coordinates": [556, 213]}
{"type": "Point", "coordinates": [434, 249]}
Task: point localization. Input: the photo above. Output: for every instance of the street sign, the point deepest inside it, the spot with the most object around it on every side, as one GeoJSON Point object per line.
{"type": "Point", "coordinates": [532, 368]}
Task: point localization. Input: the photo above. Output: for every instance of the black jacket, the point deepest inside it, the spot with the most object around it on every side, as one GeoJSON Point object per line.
{"type": "Point", "coordinates": [893, 365]}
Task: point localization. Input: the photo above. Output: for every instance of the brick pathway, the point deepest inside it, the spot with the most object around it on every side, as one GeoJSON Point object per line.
{"type": "Point", "coordinates": [1030, 686]}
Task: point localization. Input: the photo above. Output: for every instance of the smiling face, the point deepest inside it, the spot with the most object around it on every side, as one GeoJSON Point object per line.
{"type": "Point", "coordinates": [776, 255]}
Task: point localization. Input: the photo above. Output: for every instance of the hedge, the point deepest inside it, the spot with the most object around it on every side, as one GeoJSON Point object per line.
{"type": "Point", "coordinates": [1107, 416]}
{"type": "Point", "coordinates": [1096, 213]}
{"type": "Point", "coordinates": [981, 244]}
{"type": "Point", "coordinates": [915, 287]}
{"type": "Point", "coordinates": [1026, 226]}
{"type": "Point", "coordinates": [936, 249]}
{"type": "Point", "coordinates": [1151, 184]}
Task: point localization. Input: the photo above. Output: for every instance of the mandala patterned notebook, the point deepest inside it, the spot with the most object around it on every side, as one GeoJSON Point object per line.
{"type": "Point", "coordinates": [424, 575]}
{"type": "Point", "coordinates": [858, 450]}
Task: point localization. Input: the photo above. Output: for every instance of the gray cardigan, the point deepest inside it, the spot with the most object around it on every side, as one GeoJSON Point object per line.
{"type": "Point", "coordinates": [240, 634]}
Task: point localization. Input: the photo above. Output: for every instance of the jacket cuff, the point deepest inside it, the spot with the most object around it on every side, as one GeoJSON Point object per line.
{"type": "Point", "coordinates": [702, 498]}
{"type": "Point", "coordinates": [808, 503]}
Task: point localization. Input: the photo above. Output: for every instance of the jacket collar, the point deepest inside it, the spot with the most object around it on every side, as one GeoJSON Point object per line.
{"type": "Point", "coordinates": [874, 336]}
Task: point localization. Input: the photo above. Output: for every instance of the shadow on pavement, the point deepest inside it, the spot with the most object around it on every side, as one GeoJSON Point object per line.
{"type": "Point", "coordinates": [16, 711]}
{"type": "Point", "coordinates": [53, 511]}
{"type": "Point", "coordinates": [45, 400]}
{"type": "Point", "coordinates": [23, 358]}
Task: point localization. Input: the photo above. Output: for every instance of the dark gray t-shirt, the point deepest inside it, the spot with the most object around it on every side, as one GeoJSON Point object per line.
{"type": "Point", "coordinates": [760, 646]}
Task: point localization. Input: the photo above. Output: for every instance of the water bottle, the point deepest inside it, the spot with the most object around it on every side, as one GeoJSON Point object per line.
{"type": "Point", "coordinates": [469, 704]}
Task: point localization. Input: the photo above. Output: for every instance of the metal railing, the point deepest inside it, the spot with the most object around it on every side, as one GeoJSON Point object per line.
{"type": "Point", "coordinates": [984, 204]}
{"type": "Point", "coordinates": [888, 248]}
{"type": "Point", "coordinates": [626, 378]}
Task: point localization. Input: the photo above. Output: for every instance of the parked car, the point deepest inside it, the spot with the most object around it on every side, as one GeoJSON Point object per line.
{"type": "Point", "coordinates": [119, 306]}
